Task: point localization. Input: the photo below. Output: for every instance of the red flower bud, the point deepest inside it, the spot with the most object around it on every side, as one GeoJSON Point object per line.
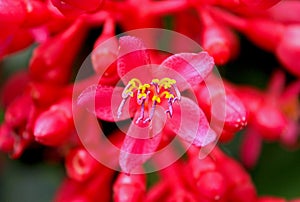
{"type": "Point", "coordinates": [235, 112]}
{"type": "Point", "coordinates": [288, 50]}
{"type": "Point", "coordinates": [244, 192]}
{"type": "Point", "coordinates": [57, 55]}
{"type": "Point", "coordinates": [236, 115]}
{"type": "Point", "coordinates": [271, 36]}
{"type": "Point", "coordinates": [6, 139]}
{"type": "Point", "coordinates": [18, 111]}
{"type": "Point", "coordinates": [13, 87]}
{"type": "Point", "coordinates": [105, 54]}
{"type": "Point", "coordinates": [263, 32]}
{"type": "Point", "coordinates": [212, 185]}
{"type": "Point", "coordinates": [54, 126]}
{"type": "Point", "coordinates": [231, 170]}
{"type": "Point", "coordinates": [37, 13]}
{"type": "Point", "coordinates": [200, 166]}
{"type": "Point", "coordinates": [80, 165]}
{"type": "Point", "coordinates": [270, 121]}
{"type": "Point", "coordinates": [130, 188]}
{"type": "Point", "coordinates": [218, 40]}
{"type": "Point", "coordinates": [278, 13]}
{"type": "Point", "coordinates": [44, 94]}
{"type": "Point", "coordinates": [12, 143]}
{"type": "Point", "coordinates": [238, 181]}
{"type": "Point", "coordinates": [16, 41]}
{"type": "Point", "coordinates": [251, 98]}
{"type": "Point", "coordinates": [11, 16]}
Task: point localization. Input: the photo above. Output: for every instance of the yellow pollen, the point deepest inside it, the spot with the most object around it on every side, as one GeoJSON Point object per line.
{"type": "Point", "coordinates": [144, 87]}
{"type": "Point", "coordinates": [133, 82]}
{"type": "Point", "coordinates": [150, 94]}
{"type": "Point", "coordinates": [166, 83]}
{"type": "Point", "coordinates": [142, 95]}
{"type": "Point", "coordinates": [155, 80]}
{"type": "Point", "coordinates": [156, 98]}
{"type": "Point", "coordinates": [167, 94]}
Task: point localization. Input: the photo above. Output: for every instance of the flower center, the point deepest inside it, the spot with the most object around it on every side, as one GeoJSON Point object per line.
{"type": "Point", "coordinates": [151, 94]}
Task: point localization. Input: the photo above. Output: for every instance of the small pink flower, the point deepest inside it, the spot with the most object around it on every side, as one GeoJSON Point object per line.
{"type": "Point", "coordinates": [149, 93]}
{"type": "Point", "coordinates": [273, 116]}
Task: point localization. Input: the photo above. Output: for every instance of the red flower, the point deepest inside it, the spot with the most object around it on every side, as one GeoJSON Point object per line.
{"type": "Point", "coordinates": [235, 117]}
{"type": "Point", "coordinates": [156, 89]}
{"type": "Point", "coordinates": [273, 116]}
{"type": "Point", "coordinates": [129, 188]}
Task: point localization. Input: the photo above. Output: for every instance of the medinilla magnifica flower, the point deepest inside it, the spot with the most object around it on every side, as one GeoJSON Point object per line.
{"type": "Point", "coordinates": [152, 95]}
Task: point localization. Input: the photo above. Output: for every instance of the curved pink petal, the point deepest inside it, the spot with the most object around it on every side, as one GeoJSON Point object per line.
{"type": "Point", "coordinates": [190, 123]}
{"type": "Point", "coordinates": [140, 143]}
{"type": "Point", "coordinates": [290, 136]}
{"type": "Point", "coordinates": [135, 152]}
{"type": "Point", "coordinates": [251, 147]}
{"type": "Point", "coordinates": [132, 54]}
{"type": "Point", "coordinates": [187, 68]}
{"type": "Point", "coordinates": [104, 101]}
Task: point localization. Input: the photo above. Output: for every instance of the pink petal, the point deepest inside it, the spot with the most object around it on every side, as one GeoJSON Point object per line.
{"type": "Point", "coordinates": [135, 151]}
{"type": "Point", "coordinates": [270, 121]}
{"type": "Point", "coordinates": [251, 147]}
{"type": "Point", "coordinates": [288, 50]}
{"type": "Point", "coordinates": [132, 54]}
{"type": "Point", "coordinates": [290, 136]}
{"type": "Point", "coordinates": [236, 114]}
{"type": "Point", "coordinates": [187, 68]}
{"type": "Point", "coordinates": [104, 101]}
{"type": "Point", "coordinates": [276, 84]}
{"type": "Point", "coordinates": [190, 123]}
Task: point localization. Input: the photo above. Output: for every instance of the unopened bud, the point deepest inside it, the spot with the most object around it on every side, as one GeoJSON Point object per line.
{"type": "Point", "coordinates": [129, 188]}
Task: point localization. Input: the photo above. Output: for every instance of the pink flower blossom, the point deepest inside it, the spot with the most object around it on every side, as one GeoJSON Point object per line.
{"type": "Point", "coordinates": [144, 93]}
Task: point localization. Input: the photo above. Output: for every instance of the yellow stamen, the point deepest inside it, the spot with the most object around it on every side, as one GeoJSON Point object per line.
{"type": "Point", "coordinates": [167, 94]}
{"type": "Point", "coordinates": [134, 81]}
{"type": "Point", "coordinates": [156, 91]}
{"type": "Point", "coordinates": [156, 98]}
{"type": "Point", "coordinates": [142, 95]}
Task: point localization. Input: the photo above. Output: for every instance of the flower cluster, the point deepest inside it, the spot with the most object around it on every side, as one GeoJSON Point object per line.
{"type": "Point", "coordinates": [145, 100]}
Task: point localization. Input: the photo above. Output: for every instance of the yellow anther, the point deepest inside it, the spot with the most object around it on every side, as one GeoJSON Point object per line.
{"type": "Point", "coordinates": [129, 92]}
{"type": "Point", "coordinates": [166, 82]}
{"type": "Point", "coordinates": [167, 94]}
{"type": "Point", "coordinates": [142, 95]}
{"type": "Point", "coordinates": [143, 87]}
{"type": "Point", "coordinates": [156, 98]}
{"type": "Point", "coordinates": [153, 91]}
{"type": "Point", "coordinates": [155, 80]}
{"type": "Point", "coordinates": [173, 81]}
{"type": "Point", "coordinates": [133, 82]}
